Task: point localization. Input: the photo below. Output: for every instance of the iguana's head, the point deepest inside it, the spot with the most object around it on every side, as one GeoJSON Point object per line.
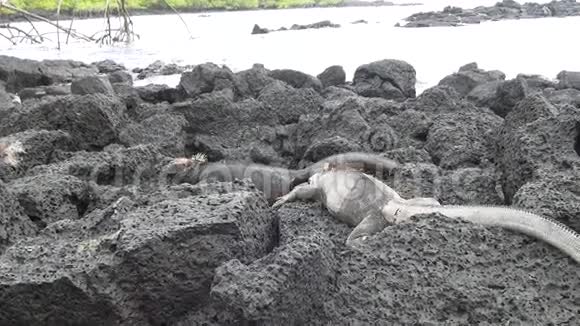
{"type": "Point", "coordinates": [184, 163]}
{"type": "Point", "coordinates": [184, 168]}
{"type": "Point", "coordinates": [9, 153]}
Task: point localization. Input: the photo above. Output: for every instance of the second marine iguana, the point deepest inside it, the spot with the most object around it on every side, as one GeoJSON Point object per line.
{"type": "Point", "coordinates": [9, 153]}
{"type": "Point", "coordinates": [351, 196]}
{"type": "Point", "coordinates": [369, 205]}
{"type": "Point", "coordinates": [272, 181]}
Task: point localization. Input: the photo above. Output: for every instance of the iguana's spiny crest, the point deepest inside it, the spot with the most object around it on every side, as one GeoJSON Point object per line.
{"type": "Point", "coordinates": [185, 163]}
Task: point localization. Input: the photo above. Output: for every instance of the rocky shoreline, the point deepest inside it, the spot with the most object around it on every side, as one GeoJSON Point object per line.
{"type": "Point", "coordinates": [504, 10]}
{"type": "Point", "coordinates": [99, 226]}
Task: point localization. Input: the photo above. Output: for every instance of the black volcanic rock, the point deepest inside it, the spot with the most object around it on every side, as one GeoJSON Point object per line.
{"type": "Point", "coordinates": [506, 9]}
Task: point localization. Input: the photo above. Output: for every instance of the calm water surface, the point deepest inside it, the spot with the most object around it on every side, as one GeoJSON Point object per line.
{"type": "Point", "coordinates": [539, 46]}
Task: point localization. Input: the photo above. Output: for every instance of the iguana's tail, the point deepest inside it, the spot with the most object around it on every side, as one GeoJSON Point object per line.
{"type": "Point", "coordinates": [372, 164]}
{"type": "Point", "coordinates": [540, 227]}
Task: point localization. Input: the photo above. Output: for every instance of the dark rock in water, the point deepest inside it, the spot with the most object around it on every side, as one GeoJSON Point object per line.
{"type": "Point", "coordinates": [508, 4]}
{"type": "Point", "coordinates": [432, 19]}
{"type": "Point", "coordinates": [259, 30]}
{"type": "Point", "coordinates": [470, 76]}
{"type": "Point", "coordinates": [321, 24]}
{"type": "Point", "coordinates": [19, 73]}
{"type": "Point", "coordinates": [92, 85]}
{"type": "Point", "coordinates": [332, 76]}
{"type": "Point", "coordinates": [360, 21]}
{"type": "Point", "coordinates": [206, 78]}
{"type": "Point", "coordinates": [120, 76]}
{"type": "Point", "coordinates": [507, 9]}
{"type": "Point", "coordinates": [569, 79]}
{"type": "Point", "coordinates": [47, 198]}
{"type": "Point", "coordinates": [250, 82]}
{"type": "Point", "coordinates": [536, 135]}
{"type": "Point", "coordinates": [563, 8]}
{"type": "Point", "coordinates": [108, 66]}
{"type": "Point", "coordinates": [296, 79]}
{"type": "Point", "coordinates": [42, 91]}
{"type": "Point", "coordinates": [452, 10]}
{"type": "Point", "coordinates": [14, 224]}
{"type": "Point", "coordinates": [290, 103]}
{"type": "Point", "coordinates": [537, 10]}
{"type": "Point", "coordinates": [91, 120]}
{"type": "Point", "coordinates": [389, 79]}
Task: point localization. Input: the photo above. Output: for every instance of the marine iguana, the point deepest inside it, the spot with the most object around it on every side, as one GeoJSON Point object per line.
{"type": "Point", "coordinates": [353, 197]}
{"type": "Point", "coordinates": [369, 205]}
{"type": "Point", "coordinates": [537, 226]}
{"type": "Point", "coordinates": [9, 153]}
{"type": "Point", "coordinates": [272, 181]}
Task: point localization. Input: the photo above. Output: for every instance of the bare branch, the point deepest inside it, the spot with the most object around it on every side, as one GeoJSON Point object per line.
{"type": "Point", "coordinates": [57, 23]}
{"type": "Point", "coordinates": [21, 33]}
{"type": "Point", "coordinates": [10, 39]}
{"type": "Point", "coordinates": [34, 28]}
{"type": "Point", "coordinates": [179, 15]}
{"type": "Point", "coordinates": [42, 19]}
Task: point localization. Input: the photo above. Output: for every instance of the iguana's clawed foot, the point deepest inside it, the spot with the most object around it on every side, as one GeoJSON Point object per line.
{"type": "Point", "coordinates": [356, 243]}
{"type": "Point", "coordinates": [280, 201]}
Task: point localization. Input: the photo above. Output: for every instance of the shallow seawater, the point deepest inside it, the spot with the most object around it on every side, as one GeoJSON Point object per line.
{"type": "Point", "coordinates": [536, 46]}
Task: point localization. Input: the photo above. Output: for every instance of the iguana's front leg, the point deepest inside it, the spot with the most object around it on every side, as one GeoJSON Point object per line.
{"type": "Point", "coordinates": [377, 222]}
{"type": "Point", "coordinates": [304, 191]}
{"type": "Point", "coordinates": [370, 225]}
